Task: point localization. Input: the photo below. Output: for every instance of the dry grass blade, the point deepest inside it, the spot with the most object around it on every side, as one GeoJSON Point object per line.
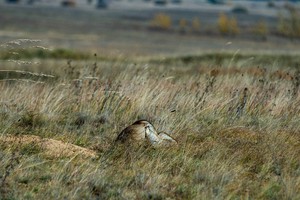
{"type": "Point", "coordinates": [21, 80]}
{"type": "Point", "coordinates": [25, 73]}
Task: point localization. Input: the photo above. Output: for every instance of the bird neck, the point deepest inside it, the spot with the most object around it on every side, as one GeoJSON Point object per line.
{"type": "Point", "coordinates": [152, 135]}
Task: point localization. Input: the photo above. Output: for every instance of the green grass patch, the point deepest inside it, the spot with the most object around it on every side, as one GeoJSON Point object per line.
{"type": "Point", "coordinates": [217, 59]}
{"type": "Point", "coordinates": [43, 54]}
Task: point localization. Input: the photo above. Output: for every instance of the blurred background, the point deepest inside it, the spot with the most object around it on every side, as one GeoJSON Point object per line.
{"type": "Point", "coordinates": [152, 27]}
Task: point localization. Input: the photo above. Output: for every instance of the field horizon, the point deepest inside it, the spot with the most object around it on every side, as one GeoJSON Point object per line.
{"type": "Point", "coordinates": [131, 32]}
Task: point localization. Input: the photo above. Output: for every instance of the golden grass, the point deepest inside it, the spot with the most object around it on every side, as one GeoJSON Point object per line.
{"type": "Point", "coordinates": [48, 147]}
{"type": "Point", "coordinates": [237, 130]}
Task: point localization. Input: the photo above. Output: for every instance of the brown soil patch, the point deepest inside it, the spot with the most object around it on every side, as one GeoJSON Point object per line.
{"type": "Point", "coordinates": [49, 147]}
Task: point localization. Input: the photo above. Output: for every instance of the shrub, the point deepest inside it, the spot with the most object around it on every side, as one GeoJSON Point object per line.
{"type": "Point", "coordinates": [228, 26]}
{"type": "Point", "coordinates": [68, 3]}
{"type": "Point", "coordinates": [282, 26]}
{"type": "Point", "coordinates": [261, 29]}
{"type": "Point", "coordinates": [289, 26]}
{"type": "Point", "coordinates": [233, 26]}
{"type": "Point", "coordinates": [162, 21]}
{"type": "Point", "coordinates": [223, 22]}
{"type": "Point", "coordinates": [196, 24]}
{"type": "Point", "coordinates": [240, 10]}
{"type": "Point", "coordinates": [183, 25]}
{"type": "Point", "coordinates": [31, 119]}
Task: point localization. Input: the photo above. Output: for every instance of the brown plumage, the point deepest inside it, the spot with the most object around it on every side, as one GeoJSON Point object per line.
{"type": "Point", "coordinates": [143, 130]}
{"type": "Point", "coordinates": [134, 132]}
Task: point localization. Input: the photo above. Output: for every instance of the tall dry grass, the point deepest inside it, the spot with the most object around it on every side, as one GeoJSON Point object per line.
{"type": "Point", "coordinates": [238, 131]}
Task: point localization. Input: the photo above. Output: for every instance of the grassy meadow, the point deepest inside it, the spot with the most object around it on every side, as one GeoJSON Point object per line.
{"type": "Point", "coordinates": [236, 118]}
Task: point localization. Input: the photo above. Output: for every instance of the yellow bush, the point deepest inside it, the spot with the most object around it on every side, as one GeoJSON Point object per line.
{"type": "Point", "coordinates": [196, 24]}
{"type": "Point", "coordinates": [228, 26]}
{"type": "Point", "coordinates": [223, 23]}
{"type": "Point", "coordinates": [283, 26]}
{"type": "Point", "coordinates": [261, 29]}
{"type": "Point", "coordinates": [233, 26]}
{"type": "Point", "coordinates": [182, 25]}
{"type": "Point", "coordinates": [289, 26]}
{"type": "Point", "coordinates": [162, 21]}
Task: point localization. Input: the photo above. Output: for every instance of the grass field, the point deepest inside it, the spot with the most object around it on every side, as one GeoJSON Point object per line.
{"type": "Point", "coordinates": [236, 121]}
{"type": "Point", "coordinates": [69, 87]}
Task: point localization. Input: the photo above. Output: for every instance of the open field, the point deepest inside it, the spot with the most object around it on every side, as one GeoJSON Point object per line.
{"type": "Point", "coordinates": [71, 79]}
{"type": "Point", "coordinates": [128, 31]}
{"type": "Point", "coordinates": [237, 125]}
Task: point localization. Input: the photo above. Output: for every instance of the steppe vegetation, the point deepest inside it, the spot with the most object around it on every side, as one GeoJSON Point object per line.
{"type": "Point", "coordinates": [288, 25]}
{"type": "Point", "coordinates": [236, 118]}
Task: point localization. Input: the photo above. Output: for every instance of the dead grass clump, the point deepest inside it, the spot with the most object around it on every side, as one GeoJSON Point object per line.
{"type": "Point", "coordinates": [241, 134]}
{"type": "Point", "coordinates": [289, 26]}
{"type": "Point", "coordinates": [261, 30]}
{"type": "Point", "coordinates": [243, 145]}
{"type": "Point", "coordinates": [31, 119]}
{"type": "Point", "coordinates": [183, 25]}
{"type": "Point", "coordinates": [196, 25]}
{"type": "Point", "coordinates": [161, 21]}
{"type": "Point", "coordinates": [228, 26]}
{"type": "Point", "coordinates": [30, 144]}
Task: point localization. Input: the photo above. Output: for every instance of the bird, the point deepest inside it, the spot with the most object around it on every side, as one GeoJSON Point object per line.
{"type": "Point", "coordinates": [144, 131]}
{"type": "Point", "coordinates": [134, 132]}
{"type": "Point", "coordinates": [160, 139]}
